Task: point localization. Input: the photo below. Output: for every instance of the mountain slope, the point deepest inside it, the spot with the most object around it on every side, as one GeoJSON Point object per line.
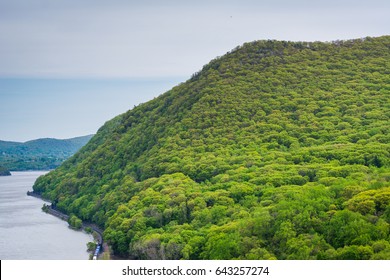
{"type": "Point", "coordinates": [39, 154]}
{"type": "Point", "coordinates": [275, 150]}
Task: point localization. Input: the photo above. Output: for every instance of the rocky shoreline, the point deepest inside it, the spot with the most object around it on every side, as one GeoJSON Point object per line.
{"type": "Point", "coordinates": [50, 209]}
{"type": "Point", "coordinates": [4, 171]}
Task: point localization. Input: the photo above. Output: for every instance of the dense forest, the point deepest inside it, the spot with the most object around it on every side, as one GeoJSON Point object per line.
{"type": "Point", "coordinates": [276, 150]}
{"type": "Point", "coordinates": [39, 154]}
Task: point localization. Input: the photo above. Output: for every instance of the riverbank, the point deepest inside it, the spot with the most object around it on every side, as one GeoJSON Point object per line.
{"type": "Point", "coordinates": [4, 171]}
{"type": "Point", "coordinates": [26, 233]}
{"type": "Point", "coordinates": [96, 232]}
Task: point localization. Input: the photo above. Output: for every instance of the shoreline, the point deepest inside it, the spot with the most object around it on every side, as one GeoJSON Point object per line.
{"type": "Point", "coordinates": [96, 232]}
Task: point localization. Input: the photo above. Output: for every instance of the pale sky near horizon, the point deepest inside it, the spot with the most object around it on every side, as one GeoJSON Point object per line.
{"type": "Point", "coordinates": [68, 66]}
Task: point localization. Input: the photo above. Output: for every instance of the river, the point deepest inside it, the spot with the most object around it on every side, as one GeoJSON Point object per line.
{"type": "Point", "coordinates": [26, 232]}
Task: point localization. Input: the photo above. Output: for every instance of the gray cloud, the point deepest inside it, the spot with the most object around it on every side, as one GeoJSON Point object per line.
{"type": "Point", "coordinates": [163, 38]}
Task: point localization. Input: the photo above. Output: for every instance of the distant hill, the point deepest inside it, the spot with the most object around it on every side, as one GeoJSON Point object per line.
{"type": "Point", "coordinates": [276, 150]}
{"type": "Point", "coordinates": [39, 154]}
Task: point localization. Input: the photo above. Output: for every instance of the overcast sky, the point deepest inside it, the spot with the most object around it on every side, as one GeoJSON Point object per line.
{"type": "Point", "coordinates": [162, 42]}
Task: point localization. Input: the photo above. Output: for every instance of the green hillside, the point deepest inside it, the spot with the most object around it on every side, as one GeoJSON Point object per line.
{"type": "Point", "coordinates": [276, 150]}
{"type": "Point", "coordinates": [39, 154]}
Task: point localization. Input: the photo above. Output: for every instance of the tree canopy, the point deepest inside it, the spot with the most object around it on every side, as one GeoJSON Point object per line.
{"type": "Point", "coordinates": [276, 150]}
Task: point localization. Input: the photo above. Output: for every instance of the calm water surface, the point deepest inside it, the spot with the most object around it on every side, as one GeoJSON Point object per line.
{"type": "Point", "coordinates": [26, 232]}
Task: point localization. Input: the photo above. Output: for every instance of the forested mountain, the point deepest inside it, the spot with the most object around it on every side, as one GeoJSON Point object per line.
{"type": "Point", "coordinates": [39, 154]}
{"type": "Point", "coordinates": [276, 150]}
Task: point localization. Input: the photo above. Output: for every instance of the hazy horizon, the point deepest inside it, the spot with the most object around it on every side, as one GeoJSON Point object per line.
{"type": "Point", "coordinates": [66, 108]}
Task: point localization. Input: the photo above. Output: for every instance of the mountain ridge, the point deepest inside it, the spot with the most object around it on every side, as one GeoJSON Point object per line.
{"type": "Point", "coordinates": [42, 153]}
{"type": "Point", "coordinates": [260, 155]}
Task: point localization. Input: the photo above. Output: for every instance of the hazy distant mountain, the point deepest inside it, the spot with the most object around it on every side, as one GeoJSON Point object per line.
{"type": "Point", "coordinates": [275, 150]}
{"type": "Point", "coordinates": [39, 154]}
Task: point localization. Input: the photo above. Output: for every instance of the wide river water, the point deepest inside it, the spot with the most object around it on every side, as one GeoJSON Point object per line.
{"type": "Point", "coordinates": [26, 232]}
